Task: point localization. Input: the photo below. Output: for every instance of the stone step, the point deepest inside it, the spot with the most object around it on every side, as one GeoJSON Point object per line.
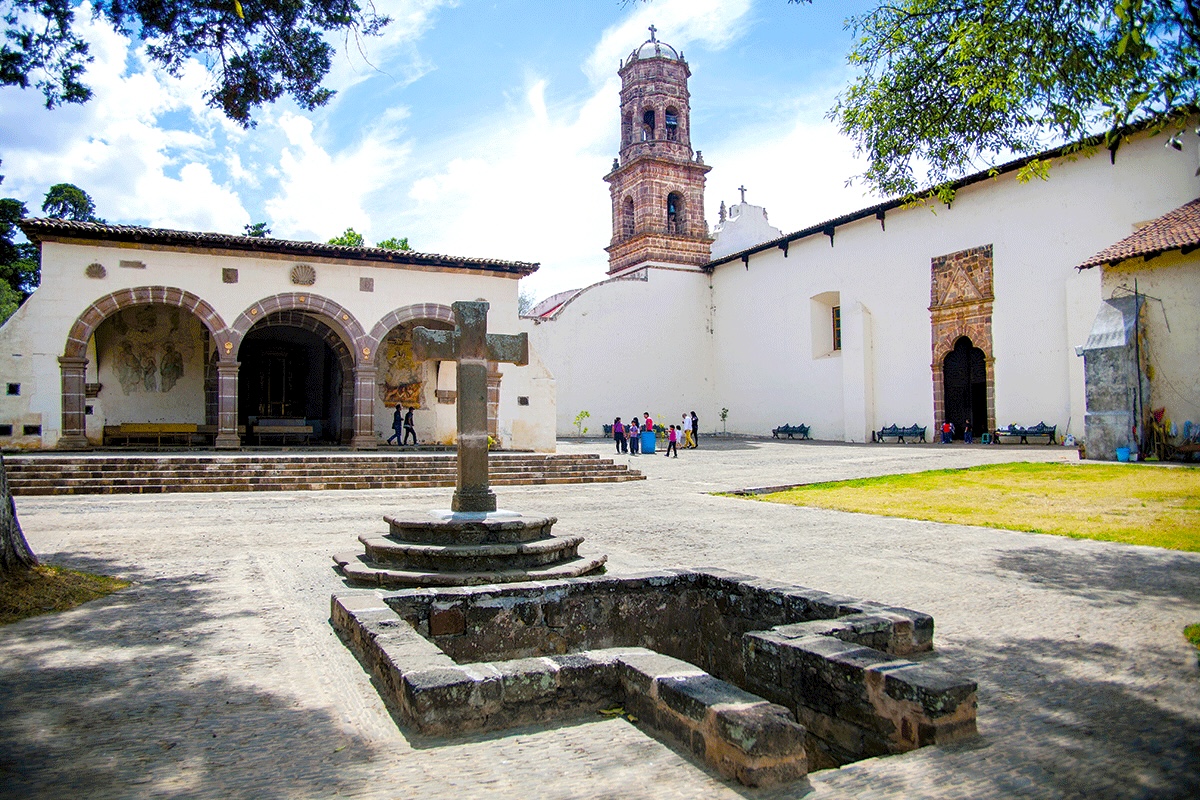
{"type": "Point", "coordinates": [387, 553]}
{"type": "Point", "coordinates": [358, 571]}
{"type": "Point", "coordinates": [37, 474]}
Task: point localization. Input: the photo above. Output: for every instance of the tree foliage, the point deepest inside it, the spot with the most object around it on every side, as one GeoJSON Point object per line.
{"type": "Point", "coordinates": [351, 238]}
{"type": "Point", "coordinates": [20, 271]}
{"type": "Point", "coordinates": [255, 52]}
{"type": "Point", "coordinates": [68, 201]}
{"type": "Point", "coordinates": [257, 230]}
{"type": "Point", "coordinates": [394, 244]}
{"type": "Point", "coordinates": [950, 85]}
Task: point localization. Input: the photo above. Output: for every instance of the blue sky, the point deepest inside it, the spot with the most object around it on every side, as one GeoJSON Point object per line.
{"type": "Point", "coordinates": [473, 128]}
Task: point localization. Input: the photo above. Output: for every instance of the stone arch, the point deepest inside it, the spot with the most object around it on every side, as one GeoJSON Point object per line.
{"type": "Point", "coordinates": [321, 326]}
{"type": "Point", "coordinates": [100, 310]}
{"type": "Point", "coordinates": [676, 211]}
{"type": "Point", "coordinates": [978, 333]}
{"type": "Point", "coordinates": [73, 362]}
{"type": "Point", "coordinates": [341, 321]}
{"type": "Point", "coordinates": [628, 218]}
{"type": "Point", "coordinates": [431, 311]}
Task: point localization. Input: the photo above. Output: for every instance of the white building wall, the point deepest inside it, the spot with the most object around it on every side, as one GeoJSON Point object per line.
{"type": "Point", "coordinates": [33, 339]}
{"type": "Point", "coordinates": [767, 368]}
{"type": "Point", "coordinates": [630, 345]}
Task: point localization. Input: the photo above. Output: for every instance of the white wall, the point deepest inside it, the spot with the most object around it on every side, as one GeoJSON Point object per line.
{"type": "Point", "coordinates": [34, 338]}
{"type": "Point", "coordinates": [629, 345]}
{"type": "Point", "coordinates": [758, 328]}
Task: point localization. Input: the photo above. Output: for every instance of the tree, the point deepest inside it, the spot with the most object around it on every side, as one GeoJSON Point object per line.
{"type": "Point", "coordinates": [257, 230]}
{"type": "Point", "coordinates": [20, 270]}
{"type": "Point", "coordinates": [394, 244]}
{"type": "Point", "coordinates": [955, 85]}
{"type": "Point", "coordinates": [255, 53]}
{"type": "Point", "coordinates": [525, 302]}
{"type": "Point", "coordinates": [68, 201]}
{"type": "Point", "coordinates": [15, 555]}
{"type": "Point", "coordinates": [351, 238]}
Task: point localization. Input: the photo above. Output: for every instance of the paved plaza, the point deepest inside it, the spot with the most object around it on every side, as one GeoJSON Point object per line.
{"type": "Point", "coordinates": [217, 674]}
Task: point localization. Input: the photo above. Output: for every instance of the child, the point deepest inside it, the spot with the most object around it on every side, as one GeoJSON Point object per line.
{"type": "Point", "coordinates": [671, 442]}
{"type": "Point", "coordinates": [634, 439]}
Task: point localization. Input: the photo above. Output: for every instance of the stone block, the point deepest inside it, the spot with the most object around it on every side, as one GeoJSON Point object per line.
{"type": "Point", "coordinates": [639, 670]}
{"type": "Point", "coordinates": [760, 730]}
{"type": "Point", "coordinates": [447, 621]}
{"type": "Point", "coordinates": [527, 680]}
{"type": "Point", "coordinates": [693, 696]}
{"type": "Point", "coordinates": [937, 692]}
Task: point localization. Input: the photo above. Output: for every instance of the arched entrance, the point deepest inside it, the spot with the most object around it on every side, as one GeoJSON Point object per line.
{"type": "Point", "coordinates": [296, 368]}
{"type": "Point", "coordinates": [964, 387]}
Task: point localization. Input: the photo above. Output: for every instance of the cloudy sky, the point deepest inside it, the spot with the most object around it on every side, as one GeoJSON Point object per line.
{"type": "Point", "coordinates": [473, 128]}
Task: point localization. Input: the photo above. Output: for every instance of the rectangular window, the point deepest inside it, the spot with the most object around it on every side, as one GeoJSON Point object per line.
{"type": "Point", "coordinates": [33, 430]}
{"type": "Point", "coordinates": [14, 389]}
{"type": "Point", "coordinates": [5, 430]}
{"type": "Point", "coordinates": [837, 327]}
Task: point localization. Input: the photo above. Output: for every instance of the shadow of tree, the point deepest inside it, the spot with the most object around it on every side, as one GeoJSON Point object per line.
{"type": "Point", "coordinates": [111, 700]}
{"type": "Point", "coordinates": [1110, 576]}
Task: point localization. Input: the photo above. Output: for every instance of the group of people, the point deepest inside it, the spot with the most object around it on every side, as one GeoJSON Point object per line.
{"type": "Point", "coordinates": [403, 425]}
{"type": "Point", "coordinates": [627, 436]}
{"type": "Point", "coordinates": [948, 432]}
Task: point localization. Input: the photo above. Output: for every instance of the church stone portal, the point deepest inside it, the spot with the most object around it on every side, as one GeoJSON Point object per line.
{"type": "Point", "coordinates": [961, 314]}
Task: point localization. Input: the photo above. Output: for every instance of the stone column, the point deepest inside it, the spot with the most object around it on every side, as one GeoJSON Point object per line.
{"type": "Point", "coordinates": [227, 410]}
{"type": "Point", "coordinates": [74, 404]}
{"type": "Point", "coordinates": [364, 408]}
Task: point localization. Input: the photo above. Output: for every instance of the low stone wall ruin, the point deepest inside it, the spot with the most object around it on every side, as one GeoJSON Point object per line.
{"type": "Point", "coordinates": [823, 678]}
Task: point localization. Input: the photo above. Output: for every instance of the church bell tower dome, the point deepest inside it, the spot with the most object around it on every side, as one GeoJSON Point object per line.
{"type": "Point", "coordinates": [657, 181]}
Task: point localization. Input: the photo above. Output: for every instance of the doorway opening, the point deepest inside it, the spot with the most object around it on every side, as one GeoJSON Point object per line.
{"type": "Point", "coordinates": [964, 387]}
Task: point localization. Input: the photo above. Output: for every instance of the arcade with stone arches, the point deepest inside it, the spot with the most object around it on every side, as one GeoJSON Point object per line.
{"type": "Point", "coordinates": [160, 354]}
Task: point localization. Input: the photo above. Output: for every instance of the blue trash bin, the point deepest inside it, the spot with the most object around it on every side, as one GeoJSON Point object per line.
{"type": "Point", "coordinates": [648, 442]}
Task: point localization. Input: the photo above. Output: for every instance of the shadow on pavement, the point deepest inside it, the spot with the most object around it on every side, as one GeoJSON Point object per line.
{"type": "Point", "coordinates": [110, 700]}
{"type": "Point", "coordinates": [1110, 577]}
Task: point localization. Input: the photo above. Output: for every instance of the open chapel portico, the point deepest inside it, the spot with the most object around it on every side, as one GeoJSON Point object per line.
{"type": "Point", "coordinates": [231, 337]}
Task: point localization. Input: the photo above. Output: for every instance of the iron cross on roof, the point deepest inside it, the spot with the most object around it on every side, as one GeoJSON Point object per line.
{"type": "Point", "coordinates": [653, 30]}
{"type": "Point", "coordinates": [472, 347]}
{"type": "Point", "coordinates": [742, 189]}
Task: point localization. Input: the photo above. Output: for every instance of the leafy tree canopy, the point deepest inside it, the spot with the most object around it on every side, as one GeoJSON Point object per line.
{"type": "Point", "coordinates": [394, 244]}
{"type": "Point", "coordinates": [351, 238]}
{"type": "Point", "coordinates": [950, 85]}
{"type": "Point", "coordinates": [257, 230]}
{"type": "Point", "coordinates": [19, 268]}
{"type": "Point", "coordinates": [255, 52]}
{"type": "Point", "coordinates": [68, 201]}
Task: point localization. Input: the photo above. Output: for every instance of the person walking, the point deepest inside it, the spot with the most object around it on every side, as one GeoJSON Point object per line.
{"type": "Point", "coordinates": [410, 427]}
{"type": "Point", "coordinates": [686, 426]}
{"type": "Point", "coordinates": [397, 425]}
{"type": "Point", "coordinates": [695, 430]}
{"type": "Point", "coordinates": [632, 433]}
{"type": "Point", "coordinates": [967, 437]}
{"type": "Point", "coordinates": [946, 432]}
{"type": "Point", "coordinates": [619, 435]}
{"type": "Point", "coordinates": [672, 441]}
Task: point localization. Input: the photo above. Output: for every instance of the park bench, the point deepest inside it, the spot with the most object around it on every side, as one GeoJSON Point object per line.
{"type": "Point", "coordinates": [283, 429]}
{"type": "Point", "coordinates": [791, 431]}
{"type": "Point", "coordinates": [1041, 429]}
{"type": "Point", "coordinates": [911, 432]}
{"type": "Point", "coordinates": [143, 433]}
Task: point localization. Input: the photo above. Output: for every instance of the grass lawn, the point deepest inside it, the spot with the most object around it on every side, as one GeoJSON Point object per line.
{"type": "Point", "coordinates": [45, 589]}
{"type": "Point", "coordinates": [1131, 503]}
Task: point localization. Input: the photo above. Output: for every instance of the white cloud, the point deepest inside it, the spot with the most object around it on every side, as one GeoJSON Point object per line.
{"type": "Point", "coordinates": [323, 193]}
{"type": "Point", "coordinates": [393, 53]}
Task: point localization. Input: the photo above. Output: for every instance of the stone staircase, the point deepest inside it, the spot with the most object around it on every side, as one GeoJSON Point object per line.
{"type": "Point", "coordinates": [113, 473]}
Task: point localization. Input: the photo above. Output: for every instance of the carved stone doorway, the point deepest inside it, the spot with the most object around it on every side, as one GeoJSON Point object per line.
{"type": "Point", "coordinates": [964, 387]}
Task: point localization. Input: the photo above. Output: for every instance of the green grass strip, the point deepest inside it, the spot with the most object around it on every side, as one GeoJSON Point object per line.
{"type": "Point", "coordinates": [1130, 503]}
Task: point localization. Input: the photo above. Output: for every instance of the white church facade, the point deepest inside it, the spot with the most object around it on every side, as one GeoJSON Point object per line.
{"type": "Point", "coordinates": [213, 339]}
{"type": "Point", "coordinates": [894, 314]}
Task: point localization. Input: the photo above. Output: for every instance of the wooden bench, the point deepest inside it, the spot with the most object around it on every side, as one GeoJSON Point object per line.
{"type": "Point", "coordinates": [791, 431]}
{"type": "Point", "coordinates": [911, 432]}
{"type": "Point", "coordinates": [143, 433]}
{"type": "Point", "coordinates": [1041, 429]}
{"type": "Point", "coordinates": [283, 429]}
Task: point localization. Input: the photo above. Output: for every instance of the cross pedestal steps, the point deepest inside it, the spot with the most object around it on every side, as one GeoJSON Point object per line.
{"type": "Point", "coordinates": [446, 548]}
{"type": "Point", "coordinates": [113, 473]}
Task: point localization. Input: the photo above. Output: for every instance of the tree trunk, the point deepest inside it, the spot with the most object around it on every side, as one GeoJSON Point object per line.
{"type": "Point", "coordinates": [15, 555]}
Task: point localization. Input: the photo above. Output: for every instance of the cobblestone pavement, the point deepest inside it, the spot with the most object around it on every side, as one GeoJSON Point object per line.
{"type": "Point", "coordinates": [217, 675]}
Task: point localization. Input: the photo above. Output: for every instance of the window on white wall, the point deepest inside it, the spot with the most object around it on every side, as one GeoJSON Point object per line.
{"type": "Point", "coordinates": [826, 324]}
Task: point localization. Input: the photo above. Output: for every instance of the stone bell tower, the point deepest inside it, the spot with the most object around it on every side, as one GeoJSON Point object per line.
{"type": "Point", "coordinates": [657, 183]}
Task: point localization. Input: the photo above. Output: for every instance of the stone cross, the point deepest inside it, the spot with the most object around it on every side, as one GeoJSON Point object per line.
{"type": "Point", "coordinates": [742, 189]}
{"type": "Point", "coordinates": [472, 347]}
{"type": "Point", "coordinates": [653, 30]}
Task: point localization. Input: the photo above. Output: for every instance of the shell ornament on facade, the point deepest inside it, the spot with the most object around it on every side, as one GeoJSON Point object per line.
{"type": "Point", "coordinates": [304, 275]}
